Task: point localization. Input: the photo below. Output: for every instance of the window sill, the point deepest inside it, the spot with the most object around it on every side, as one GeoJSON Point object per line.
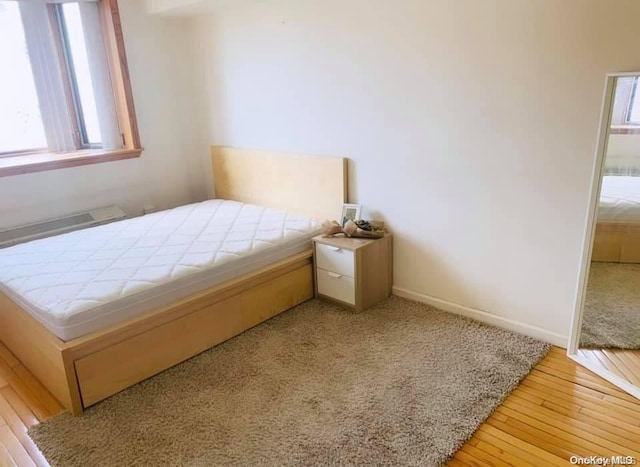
{"type": "Point", "coordinates": [24, 164]}
{"type": "Point", "coordinates": [625, 130]}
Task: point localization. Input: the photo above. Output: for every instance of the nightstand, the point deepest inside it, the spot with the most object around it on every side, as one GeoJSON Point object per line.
{"type": "Point", "coordinates": [355, 272]}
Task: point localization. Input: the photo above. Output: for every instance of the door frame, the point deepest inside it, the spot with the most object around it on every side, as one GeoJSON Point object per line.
{"type": "Point", "coordinates": [589, 234]}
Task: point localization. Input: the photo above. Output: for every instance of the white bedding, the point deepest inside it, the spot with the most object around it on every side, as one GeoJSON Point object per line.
{"type": "Point", "coordinates": [87, 280]}
{"type": "Point", "coordinates": [619, 199]}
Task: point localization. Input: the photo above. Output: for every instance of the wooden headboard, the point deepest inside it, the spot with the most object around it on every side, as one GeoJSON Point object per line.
{"type": "Point", "coordinates": [310, 185]}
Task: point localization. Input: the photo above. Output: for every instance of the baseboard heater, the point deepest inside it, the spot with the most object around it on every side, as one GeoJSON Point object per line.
{"type": "Point", "coordinates": [57, 226]}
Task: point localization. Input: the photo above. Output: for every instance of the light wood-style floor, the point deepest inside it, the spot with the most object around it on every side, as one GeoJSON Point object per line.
{"type": "Point", "coordinates": [559, 410]}
{"type": "Point", "coordinates": [23, 403]}
{"type": "Point", "coordinates": [624, 363]}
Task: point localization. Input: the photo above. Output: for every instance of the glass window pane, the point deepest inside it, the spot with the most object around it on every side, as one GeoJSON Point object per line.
{"type": "Point", "coordinates": [21, 126]}
{"type": "Point", "coordinates": [634, 114]}
{"type": "Point", "coordinates": [81, 72]}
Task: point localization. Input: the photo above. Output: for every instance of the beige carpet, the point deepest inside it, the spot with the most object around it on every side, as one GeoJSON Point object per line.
{"type": "Point", "coordinates": [400, 384]}
{"type": "Point", "coordinates": [612, 307]}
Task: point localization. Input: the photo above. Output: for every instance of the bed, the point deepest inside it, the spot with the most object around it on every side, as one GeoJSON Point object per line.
{"type": "Point", "coordinates": [93, 312]}
{"type": "Point", "coordinates": [617, 237]}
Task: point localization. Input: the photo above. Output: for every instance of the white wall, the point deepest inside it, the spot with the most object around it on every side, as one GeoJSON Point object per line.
{"type": "Point", "coordinates": [187, 7]}
{"type": "Point", "coordinates": [471, 126]}
{"type": "Point", "coordinates": [169, 172]}
{"type": "Point", "coordinates": [623, 151]}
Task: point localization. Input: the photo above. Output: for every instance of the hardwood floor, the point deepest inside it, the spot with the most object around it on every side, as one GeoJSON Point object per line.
{"type": "Point", "coordinates": [23, 403]}
{"type": "Point", "coordinates": [624, 363]}
{"type": "Point", "coordinates": [558, 411]}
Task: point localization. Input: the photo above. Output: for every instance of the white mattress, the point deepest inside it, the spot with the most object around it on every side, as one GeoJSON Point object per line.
{"type": "Point", "coordinates": [88, 280]}
{"type": "Point", "coordinates": [619, 199]}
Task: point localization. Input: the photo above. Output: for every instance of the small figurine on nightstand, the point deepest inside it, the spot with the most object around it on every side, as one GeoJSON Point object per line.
{"type": "Point", "coordinates": [356, 229]}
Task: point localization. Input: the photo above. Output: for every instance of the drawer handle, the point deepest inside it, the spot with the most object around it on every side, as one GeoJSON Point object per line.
{"type": "Point", "coordinates": [334, 248]}
{"type": "Point", "coordinates": [333, 274]}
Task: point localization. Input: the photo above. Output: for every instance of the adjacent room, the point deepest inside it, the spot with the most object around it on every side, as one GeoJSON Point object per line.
{"type": "Point", "coordinates": [304, 232]}
{"type": "Point", "coordinates": [610, 330]}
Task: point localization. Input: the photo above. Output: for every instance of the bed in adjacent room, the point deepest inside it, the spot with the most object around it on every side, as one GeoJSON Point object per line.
{"type": "Point", "coordinates": [617, 236]}
{"type": "Point", "coordinates": [95, 311]}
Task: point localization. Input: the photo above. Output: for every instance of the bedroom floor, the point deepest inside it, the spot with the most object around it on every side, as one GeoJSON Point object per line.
{"type": "Point", "coordinates": [559, 410]}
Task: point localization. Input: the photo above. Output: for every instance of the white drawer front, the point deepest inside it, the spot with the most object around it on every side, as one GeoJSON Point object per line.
{"type": "Point", "coordinates": [336, 286]}
{"type": "Point", "coordinates": [335, 259]}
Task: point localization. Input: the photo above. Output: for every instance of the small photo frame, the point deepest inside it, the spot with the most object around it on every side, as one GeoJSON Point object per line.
{"type": "Point", "coordinates": [350, 212]}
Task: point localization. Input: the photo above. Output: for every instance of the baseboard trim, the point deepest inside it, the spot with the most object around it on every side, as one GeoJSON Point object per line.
{"type": "Point", "coordinates": [522, 328]}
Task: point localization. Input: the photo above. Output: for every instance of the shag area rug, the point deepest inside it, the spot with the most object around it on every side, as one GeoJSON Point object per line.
{"type": "Point", "coordinates": [401, 383]}
{"type": "Point", "coordinates": [612, 307]}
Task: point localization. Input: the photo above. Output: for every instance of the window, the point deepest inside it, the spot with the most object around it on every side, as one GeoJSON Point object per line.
{"type": "Point", "coordinates": [21, 128]}
{"type": "Point", "coordinates": [67, 100]}
{"type": "Point", "coordinates": [633, 112]}
{"type": "Point", "coordinates": [79, 72]}
{"type": "Point", "coordinates": [625, 118]}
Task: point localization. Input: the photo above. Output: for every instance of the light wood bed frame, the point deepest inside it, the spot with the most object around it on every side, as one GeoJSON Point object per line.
{"type": "Point", "coordinates": [86, 370]}
{"type": "Point", "coordinates": [617, 242]}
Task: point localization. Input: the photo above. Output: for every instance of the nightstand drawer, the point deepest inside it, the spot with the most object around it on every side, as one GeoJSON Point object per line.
{"type": "Point", "coordinates": [335, 259]}
{"type": "Point", "coordinates": [336, 286]}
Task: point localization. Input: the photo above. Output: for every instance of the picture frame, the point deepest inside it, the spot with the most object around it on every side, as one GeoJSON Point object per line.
{"type": "Point", "coordinates": [350, 212]}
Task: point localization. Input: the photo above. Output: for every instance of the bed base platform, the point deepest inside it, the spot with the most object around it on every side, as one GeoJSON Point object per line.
{"type": "Point", "coordinates": [617, 242]}
{"type": "Point", "coordinates": [83, 371]}
{"type": "Point", "coordinates": [86, 370]}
